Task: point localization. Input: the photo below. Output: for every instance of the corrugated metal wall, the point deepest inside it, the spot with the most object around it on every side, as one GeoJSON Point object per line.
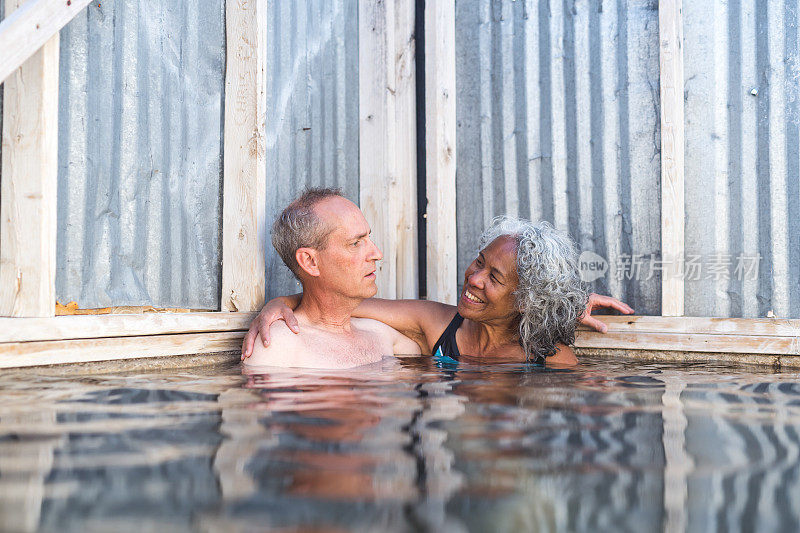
{"type": "Point", "coordinates": [140, 154]}
{"type": "Point", "coordinates": [312, 108]}
{"type": "Point", "coordinates": [558, 119]}
{"type": "Point", "coordinates": [742, 72]}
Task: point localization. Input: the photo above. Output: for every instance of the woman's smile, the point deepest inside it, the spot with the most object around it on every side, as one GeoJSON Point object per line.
{"type": "Point", "coordinates": [471, 298]}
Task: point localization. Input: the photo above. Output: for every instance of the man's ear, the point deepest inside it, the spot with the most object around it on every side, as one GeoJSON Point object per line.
{"type": "Point", "coordinates": [308, 260]}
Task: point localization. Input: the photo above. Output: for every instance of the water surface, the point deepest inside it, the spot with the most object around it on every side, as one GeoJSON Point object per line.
{"type": "Point", "coordinates": [403, 446]}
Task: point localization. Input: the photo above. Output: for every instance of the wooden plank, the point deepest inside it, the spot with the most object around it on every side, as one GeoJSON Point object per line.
{"type": "Point", "coordinates": [711, 326]}
{"type": "Point", "coordinates": [29, 183]}
{"type": "Point", "coordinates": [673, 356]}
{"type": "Point", "coordinates": [244, 230]}
{"type": "Point", "coordinates": [19, 354]}
{"type": "Point", "coordinates": [91, 327]}
{"type": "Point", "coordinates": [387, 140]}
{"type": "Point", "coordinates": [29, 25]}
{"type": "Point", "coordinates": [440, 151]}
{"type": "Point", "coordinates": [744, 344]}
{"type": "Point", "coordinates": [670, 30]}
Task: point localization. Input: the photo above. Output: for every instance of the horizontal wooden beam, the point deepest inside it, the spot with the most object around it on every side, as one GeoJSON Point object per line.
{"type": "Point", "coordinates": [21, 354]}
{"type": "Point", "coordinates": [97, 326]}
{"type": "Point", "coordinates": [683, 357]}
{"type": "Point", "coordinates": [695, 334]}
{"type": "Point", "coordinates": [701, 325]}
{"type": "Point", "coordinates": [31, 25]}
{"type": "Point", "coordinates": [745, 344]}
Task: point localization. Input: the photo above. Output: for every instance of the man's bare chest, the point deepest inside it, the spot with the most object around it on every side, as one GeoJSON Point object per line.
{"type": "Point", "coordinates": [350, 349]}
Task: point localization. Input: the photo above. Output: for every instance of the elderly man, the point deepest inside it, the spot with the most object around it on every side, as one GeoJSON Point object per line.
{"type": "Point", "coordinates": [325, 240]}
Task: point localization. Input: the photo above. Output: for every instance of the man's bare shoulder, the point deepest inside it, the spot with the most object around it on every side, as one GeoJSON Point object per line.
{"type": "Point", "coordinates": [284, 348]}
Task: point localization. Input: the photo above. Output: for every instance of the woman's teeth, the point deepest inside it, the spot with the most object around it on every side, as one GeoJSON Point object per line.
{"type": "Point", "coordinates": [472, 298]}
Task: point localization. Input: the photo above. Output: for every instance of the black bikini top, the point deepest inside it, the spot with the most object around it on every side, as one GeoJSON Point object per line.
{"type": "Point", "coordinates": [446, 345]}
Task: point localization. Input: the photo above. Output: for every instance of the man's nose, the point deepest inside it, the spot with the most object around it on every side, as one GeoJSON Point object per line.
{"type": "Point", "coordinates": [375, 254]}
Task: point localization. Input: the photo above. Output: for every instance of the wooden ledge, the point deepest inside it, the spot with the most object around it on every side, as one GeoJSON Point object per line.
{"type": "Point", "coordinates": [85, 338]}
{"type": "Point", "coordinates": [97, 326]}
{"type": "Point", "coordinates": [88, 338]}
{"type": "Point", "coordinates": [695, 334]}
{"type": "Point", "coordinates": [20, 354]}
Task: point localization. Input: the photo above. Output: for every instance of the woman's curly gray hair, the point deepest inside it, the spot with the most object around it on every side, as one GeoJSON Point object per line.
{"type": "Point", "coordinates": [550, 296]}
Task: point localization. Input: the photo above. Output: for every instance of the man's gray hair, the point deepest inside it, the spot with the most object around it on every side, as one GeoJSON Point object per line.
{"type": "Point", "coordinates": [298, 226]}
{"type": "Point", "coordinates": [551, 296]}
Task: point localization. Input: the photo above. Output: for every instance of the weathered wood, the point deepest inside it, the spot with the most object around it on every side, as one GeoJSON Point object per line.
{"type": "Point", "coordinates": [96, 326]}
{"type": "Point", "coordinates": [27, 26]}
{"type": "Point", "coordinates": [29, 181]}
{"type": "Point", "coordinates": [712, 326]}
{"type": "Point", "coordinates": [244, 230]}
{"type": "Point", "coordinates": [670, 29]}
{"type": "Point", "coordinates": [387, 140]}
{"type": "Point", "coordinates": [676, 356]}
{"type": "Point", "coordinates": [744, 344]}
{"type": "Point", "coordinates": [440, 151]}
{"type": "Point", "coordinates": [19, 354]}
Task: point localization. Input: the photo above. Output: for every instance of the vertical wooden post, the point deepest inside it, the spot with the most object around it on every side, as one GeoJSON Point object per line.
{"type": "Point", "coordinates": [670, 31]}
{"type": "Point", "coordinates": [440, 150]}
{"type": "Point", "coordinates": [244, 229]}
{"type": "Point", "coordinates": [28, 191]}
{"type": "Point", "coordinates": [387, 139]}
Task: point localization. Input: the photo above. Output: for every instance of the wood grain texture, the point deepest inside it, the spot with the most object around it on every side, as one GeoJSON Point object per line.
{"type": "Point", "coordinates": [440, 151]}
{"type": "Point", "coordinates": [695, 334]}
{"type": "Point", "coordinates": [29, 182]}
{"type": "Point", "coordinates": [244, 230]}
{"type": "Point", "coordinates": [773, 327]}
{"type": "Point", "coordinates": [387, 140]}
{"type": "Point", "coordinates": [28, 25]}
{"type": "Point", "coordinates": [690, 342]}
{"type": "Point", "coordinates": [95, 326]}
{"type": "Point", "coordinates": [670, 28]}
{"type": "Point", "coordinates": [19, 354]}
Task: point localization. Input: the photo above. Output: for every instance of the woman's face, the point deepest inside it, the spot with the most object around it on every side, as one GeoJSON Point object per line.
{"type": "Point", "coordinates": [490, 282]}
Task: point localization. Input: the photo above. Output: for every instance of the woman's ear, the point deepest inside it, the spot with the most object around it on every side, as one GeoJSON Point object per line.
{"type": "Point", "coordinates": [308, 260]}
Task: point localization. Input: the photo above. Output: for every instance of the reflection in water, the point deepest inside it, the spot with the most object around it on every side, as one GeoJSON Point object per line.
{"type": "Point", "coordinates": [401, 446]}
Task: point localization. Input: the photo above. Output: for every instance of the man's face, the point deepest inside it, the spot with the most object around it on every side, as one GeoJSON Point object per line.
{"type": "Point", "coordinates": [347, 262]}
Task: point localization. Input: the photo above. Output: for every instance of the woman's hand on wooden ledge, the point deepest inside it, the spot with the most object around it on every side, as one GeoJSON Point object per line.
{"type": "Point", "coordinates": [597, 301]}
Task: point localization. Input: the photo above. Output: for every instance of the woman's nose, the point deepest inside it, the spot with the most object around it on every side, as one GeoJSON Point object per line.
{"type": "Point", "coordinates": [476, 279]}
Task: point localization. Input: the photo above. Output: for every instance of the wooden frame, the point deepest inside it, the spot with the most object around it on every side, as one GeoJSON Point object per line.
{"type": "Point", "coordinates": [388, 140]}
{"type": "Point", "coordinates": [73, 339]}
{"type": "Point", "coordinates": [440, 151]}
{"type": "Point", "coordinates": [388, 195]}
{"type": "Point", "coordinates": [27, 26]}
{"type": "Point", "coordinates": [30, 158]}
{"type": "Point", "coordinates": [244, 195]}
{"type": "Point", "coordinates": [670, 34]}
{"type": "Point", "coordinates": [27, 276]}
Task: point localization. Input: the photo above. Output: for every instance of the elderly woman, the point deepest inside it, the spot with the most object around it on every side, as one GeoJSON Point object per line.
{"type": "Point", "coordinates": [521, 301]}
